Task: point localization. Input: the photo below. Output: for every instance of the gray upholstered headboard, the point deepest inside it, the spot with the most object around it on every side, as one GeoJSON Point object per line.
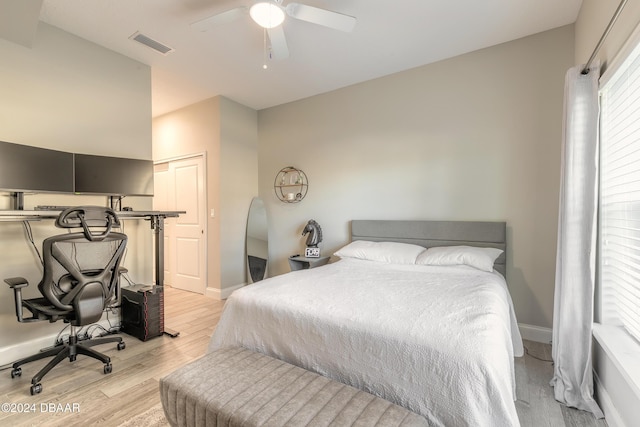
{"type": "Point", "coordinates": [436, 233]}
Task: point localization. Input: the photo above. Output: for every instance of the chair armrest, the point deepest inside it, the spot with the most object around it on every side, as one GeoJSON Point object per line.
{"type": "Point", "coordinates": [17, 282]}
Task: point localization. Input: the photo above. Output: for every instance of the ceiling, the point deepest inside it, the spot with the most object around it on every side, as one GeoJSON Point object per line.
{"type": "Point", "coordinates": [389, 36]}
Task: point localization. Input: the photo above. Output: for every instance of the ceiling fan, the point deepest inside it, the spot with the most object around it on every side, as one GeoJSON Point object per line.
{"type": "Point", "coordinates": [270, 14]}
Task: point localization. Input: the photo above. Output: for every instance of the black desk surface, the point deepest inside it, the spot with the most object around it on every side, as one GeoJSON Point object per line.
{"type": "Point", "coordinates": [23, 215]}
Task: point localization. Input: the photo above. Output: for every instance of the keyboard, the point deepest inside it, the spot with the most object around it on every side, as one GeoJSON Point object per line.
{"type": "Point", "coordinates": [50, 208]}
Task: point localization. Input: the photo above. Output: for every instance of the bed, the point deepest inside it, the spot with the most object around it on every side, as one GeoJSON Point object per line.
{"type": "Point", "coordinates": [436, 339]}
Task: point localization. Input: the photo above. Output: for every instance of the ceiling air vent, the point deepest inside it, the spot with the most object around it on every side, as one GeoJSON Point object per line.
{"type": "Point", "coordinates": [153, 44]}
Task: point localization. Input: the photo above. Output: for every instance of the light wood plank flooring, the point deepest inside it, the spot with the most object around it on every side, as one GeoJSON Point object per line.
{"type": "Point", "coordinates": [132, 387]}
{"type": "Point", "coordinates": [535, 405]}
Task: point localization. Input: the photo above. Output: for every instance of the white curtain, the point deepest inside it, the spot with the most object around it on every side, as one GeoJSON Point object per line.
{"type": "Point", "coordinates": [575, 262]}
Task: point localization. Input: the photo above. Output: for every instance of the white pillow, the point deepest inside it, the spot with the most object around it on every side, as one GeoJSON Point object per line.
{"type": "Point", "coordinates": [387, 252]}
{"type": "Point", "coordinates": [480, 258]}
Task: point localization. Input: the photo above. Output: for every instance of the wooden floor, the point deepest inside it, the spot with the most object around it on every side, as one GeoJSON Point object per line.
{"type": "Point", "coordinates": [535, 405]}
{"type": "Point", "coordinates": [132, 387]}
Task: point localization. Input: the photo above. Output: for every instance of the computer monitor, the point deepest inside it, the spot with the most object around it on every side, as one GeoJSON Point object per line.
{"type": "Point", "coordinates": [33, 169]}
{"type": "Point", "coordinates": [113, 176]}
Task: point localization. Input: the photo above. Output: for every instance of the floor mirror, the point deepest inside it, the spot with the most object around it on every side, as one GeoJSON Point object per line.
{"type": "Point", "coordinates": [257, 241]}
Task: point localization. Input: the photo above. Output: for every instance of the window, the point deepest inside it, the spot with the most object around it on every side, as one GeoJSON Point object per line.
{"type": "Point", "coordinates": [620, 196]}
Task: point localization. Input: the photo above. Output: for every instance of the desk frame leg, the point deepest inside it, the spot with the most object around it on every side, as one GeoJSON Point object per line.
{"type": "Point", "coordinates": [157, 224]}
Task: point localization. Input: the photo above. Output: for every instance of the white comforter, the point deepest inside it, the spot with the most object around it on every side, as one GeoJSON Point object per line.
{"type": "Point", "coordinates": [437, 340]}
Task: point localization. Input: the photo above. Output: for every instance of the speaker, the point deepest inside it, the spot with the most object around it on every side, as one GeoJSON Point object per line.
{"type": "Point", "coordinates": [142, 311]}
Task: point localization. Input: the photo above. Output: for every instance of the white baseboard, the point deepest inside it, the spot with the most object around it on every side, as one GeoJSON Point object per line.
{"type": "Point", "coordinates": [220, 294]}
{"type": "Point", "coordinates": [14, 352]}
{"type": "Point", "coordinates": [212, 293]}
{"type": "Point", "coordinates": [606, 404]}
{"type": "Point", "coordinates": [535, 333]}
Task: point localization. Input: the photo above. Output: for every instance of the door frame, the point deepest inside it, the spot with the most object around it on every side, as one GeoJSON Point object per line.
{"type": "Point", "coordinates": [205, 208]}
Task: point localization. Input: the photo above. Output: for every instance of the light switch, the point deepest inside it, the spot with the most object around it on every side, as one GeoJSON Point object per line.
{"type": "Point", "coordinates": [213, 213]}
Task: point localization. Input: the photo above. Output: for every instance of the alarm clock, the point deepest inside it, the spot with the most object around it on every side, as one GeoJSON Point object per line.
{"type": "Point", "coordinates": [312, 253]}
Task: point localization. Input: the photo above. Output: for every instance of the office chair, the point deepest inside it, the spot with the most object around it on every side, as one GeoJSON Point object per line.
{"type": "Point", "coordinates": [79, 281]}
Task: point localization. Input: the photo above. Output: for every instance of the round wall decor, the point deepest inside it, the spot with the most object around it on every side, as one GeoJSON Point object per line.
{"type": "Point", "coordinates": [290, 185]}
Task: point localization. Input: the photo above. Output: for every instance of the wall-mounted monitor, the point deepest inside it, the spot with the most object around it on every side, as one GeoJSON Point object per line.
{"type": "Point", "coordinates": [33, 169]}
{"type": "Point", "coordinates": [113, 176]}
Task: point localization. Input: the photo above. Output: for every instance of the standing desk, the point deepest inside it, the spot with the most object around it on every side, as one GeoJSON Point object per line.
{"type": "Point", "coordinates": [156, 219]}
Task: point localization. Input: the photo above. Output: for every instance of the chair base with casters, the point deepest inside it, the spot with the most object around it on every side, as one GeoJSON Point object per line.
{"type": "Point", "coordinates": [80, 280]}
{"type": "Point", "coordinates": [71, 350]}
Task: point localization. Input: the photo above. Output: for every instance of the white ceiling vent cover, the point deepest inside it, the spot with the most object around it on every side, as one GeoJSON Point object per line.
{"type": "Point", "coordinates": [153, 44]}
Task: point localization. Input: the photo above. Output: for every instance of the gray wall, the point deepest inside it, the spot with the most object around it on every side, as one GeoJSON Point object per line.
{"type": "Point", "coordinates": [227, 132]}
{"type": "Point", "coordinates": [68, 94]}
{"type": "Point", "coordinates": [238, 185]}
{"type": "Point", "coordinates": [193, 130]}
{"type": "Point", "coordinates": [475, 137]}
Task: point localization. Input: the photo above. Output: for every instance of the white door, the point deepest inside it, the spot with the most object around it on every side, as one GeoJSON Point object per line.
{"type": "Point", "coordinates": [180, 185]}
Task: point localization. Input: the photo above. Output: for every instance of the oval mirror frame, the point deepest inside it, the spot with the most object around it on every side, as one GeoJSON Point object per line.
{"type": "Point", "coordinates": [257, 241]}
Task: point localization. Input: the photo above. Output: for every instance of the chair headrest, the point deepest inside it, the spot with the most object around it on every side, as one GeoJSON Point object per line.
{"type": "Point", "coordinates": [88, 218]}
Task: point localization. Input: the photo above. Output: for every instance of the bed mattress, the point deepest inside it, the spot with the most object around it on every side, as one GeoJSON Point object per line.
{"type": "Point", "coordinates": [439, 341]}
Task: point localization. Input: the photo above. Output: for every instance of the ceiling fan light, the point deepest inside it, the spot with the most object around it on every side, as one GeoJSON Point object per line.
{"type": "Point", "coordinates": [267, 14]}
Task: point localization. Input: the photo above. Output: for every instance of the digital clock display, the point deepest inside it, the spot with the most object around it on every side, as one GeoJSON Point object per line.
{"type": "Point", "coordinates": [312, 252]}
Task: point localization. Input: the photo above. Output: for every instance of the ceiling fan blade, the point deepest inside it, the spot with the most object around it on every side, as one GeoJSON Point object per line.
{"type": "Point", "coordinates": [220, 18]}
{"type": "Point", "coordinates": [326, 18]}
{"type": "Point", "coordinates": [279, 48]}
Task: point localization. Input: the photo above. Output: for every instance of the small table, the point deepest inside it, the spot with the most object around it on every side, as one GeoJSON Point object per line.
{"type": "Point", "coordinates": [297, 262]}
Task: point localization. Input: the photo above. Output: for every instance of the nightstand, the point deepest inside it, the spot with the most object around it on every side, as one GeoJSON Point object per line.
{"type": "Point", "coordinates": [297, 262]}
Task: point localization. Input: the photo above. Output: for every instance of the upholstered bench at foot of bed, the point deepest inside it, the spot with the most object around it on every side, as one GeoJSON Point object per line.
{"type": "Point", "coordinates": [237, 387]}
